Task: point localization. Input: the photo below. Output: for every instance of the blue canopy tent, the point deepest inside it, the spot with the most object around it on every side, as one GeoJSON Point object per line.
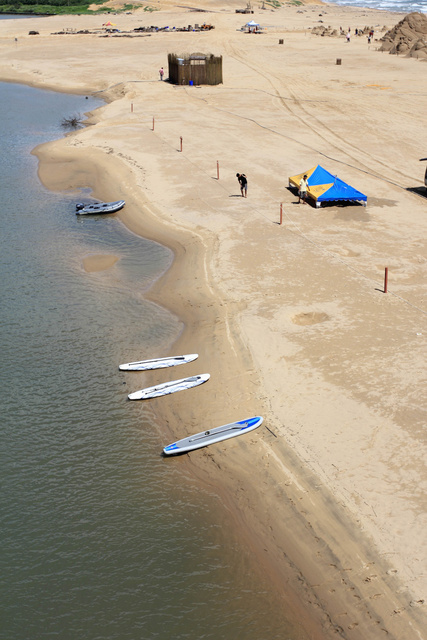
{"type": "Point", "coordinates": [325, 187]}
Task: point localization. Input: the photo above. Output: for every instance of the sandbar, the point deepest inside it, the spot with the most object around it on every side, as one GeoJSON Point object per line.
{"type": "Point", "coordinates": [99, 262]}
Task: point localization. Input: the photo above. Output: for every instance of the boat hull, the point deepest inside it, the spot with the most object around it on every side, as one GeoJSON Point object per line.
{"type": "Point", "coordinates": [100, 208]}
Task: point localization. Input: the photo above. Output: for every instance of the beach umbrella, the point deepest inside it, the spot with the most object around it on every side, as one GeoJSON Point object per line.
{"type": "Point", "coordinates": [252, 24]}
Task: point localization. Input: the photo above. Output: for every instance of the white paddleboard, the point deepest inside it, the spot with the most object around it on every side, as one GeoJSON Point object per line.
{"type": "Point", "coordinates": [205, 438]}
{"type": "Point", "coordinates": [158, 363]}
{"type": "Point", "coordinates": [169, 387]}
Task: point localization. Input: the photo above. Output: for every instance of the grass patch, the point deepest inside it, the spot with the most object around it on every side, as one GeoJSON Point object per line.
{"type": "Point", "coordinates": [63, 7]}
{"type": "Point", "coordinates": [273, 3]}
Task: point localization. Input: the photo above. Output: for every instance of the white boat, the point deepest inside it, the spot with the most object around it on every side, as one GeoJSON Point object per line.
{"type": "Point", "coordinates": [166, 388]}
{"type": "Point", "coordinates": [99, 207]}
{"type": "Point", "coordinates": [205, 438]}
{"type": "Point", "coordinates": [158, 363]}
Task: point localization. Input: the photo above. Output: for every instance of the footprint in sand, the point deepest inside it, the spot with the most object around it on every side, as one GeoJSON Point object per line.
{"type": "Point", "coordinates": [416, 603]}
{"type": "Point", "coordinates": [348, 253]}
{"type": "Point", "coordinates": [310, 317]}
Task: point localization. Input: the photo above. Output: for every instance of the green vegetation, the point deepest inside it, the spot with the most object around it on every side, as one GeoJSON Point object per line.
{"type": "Point", "coordinates": [53, 7]}
{"type": "Point", "coordinates": [273, 3]}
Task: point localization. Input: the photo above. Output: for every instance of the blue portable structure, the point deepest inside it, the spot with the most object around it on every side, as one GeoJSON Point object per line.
{"type": "Point", "coordinates": [323, 186]}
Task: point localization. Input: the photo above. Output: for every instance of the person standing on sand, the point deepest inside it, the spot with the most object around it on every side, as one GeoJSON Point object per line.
{"type": "Point", "coordinates": [161, 72]}
{"type": "Point", "coordinates": [243, 181]}
{"type": "Point", "coordinates": [303, 186]}
{"type": "Point", "coordinates": [348, 36]}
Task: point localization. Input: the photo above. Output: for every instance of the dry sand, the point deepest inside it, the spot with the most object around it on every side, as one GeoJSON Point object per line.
{"type": "Point", "coordinates": [290, 320]}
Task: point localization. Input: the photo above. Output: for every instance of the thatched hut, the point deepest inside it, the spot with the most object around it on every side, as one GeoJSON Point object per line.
{"type": "Point", "coordinates": [195, 68]}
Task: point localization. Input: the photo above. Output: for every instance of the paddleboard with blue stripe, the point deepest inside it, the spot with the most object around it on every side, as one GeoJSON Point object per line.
{"type": "Point", "coordinates": [217, 434]}
{"type": "Point", "coordinates": [158, 363]}
{"type": "Point", "coordinates": [166, 388]}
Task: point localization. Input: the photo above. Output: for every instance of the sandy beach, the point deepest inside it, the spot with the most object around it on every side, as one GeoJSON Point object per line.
{"type": "Point", "coordinates": [290, 319]}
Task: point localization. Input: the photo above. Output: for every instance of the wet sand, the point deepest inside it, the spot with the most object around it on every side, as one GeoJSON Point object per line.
{"type": "Point", "coordinates": [99, 262]}
{"type": "Point", "coordinates": [290, 319]}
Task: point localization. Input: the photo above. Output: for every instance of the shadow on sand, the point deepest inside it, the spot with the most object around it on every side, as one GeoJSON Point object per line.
{"type": "Point", "coordinates": [419, 191]}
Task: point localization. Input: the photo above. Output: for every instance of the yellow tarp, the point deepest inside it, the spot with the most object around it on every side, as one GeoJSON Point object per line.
{"type": "Point", "coordinates": [314, 191]}
{"type": "Point", "coordinates": [295, 179]}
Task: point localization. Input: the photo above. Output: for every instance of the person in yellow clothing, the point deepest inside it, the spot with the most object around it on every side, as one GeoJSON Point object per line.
{"type": "Point", "coordinates": [303, 186]}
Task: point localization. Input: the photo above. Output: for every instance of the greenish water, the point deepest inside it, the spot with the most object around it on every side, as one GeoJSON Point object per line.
{"type": "Point", "coordinates": [101, 537]}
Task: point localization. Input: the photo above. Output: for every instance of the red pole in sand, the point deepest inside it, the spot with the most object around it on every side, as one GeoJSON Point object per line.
{"type": "Point", "coordinates": [181, 142]}
{"type": "Point", "coordinates": [385, 279]}
{"type": "Point", "coordinates": [217, 170]}
{"type": "Point", "coordinates": [281, 213]}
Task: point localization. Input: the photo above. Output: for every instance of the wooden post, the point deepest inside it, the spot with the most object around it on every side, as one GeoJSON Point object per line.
{"type": "Point", "coordinates": [385, 279]}
{"type": "Point", "coordinates": [181, 142]}
{"type": "Point", "coordinates": [153, 123]}
{"type": "Point", "coordinates": [131, 107]}
{"type": "Point", "coordinates": [281, 213]}
{"type": "Point", "coordinates": [217, 170]}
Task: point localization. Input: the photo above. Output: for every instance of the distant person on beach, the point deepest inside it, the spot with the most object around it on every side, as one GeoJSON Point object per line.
{"type": "Point", "coordinates": [348, 36]}
{"type": "Point", "coordinates": [243, 181]}
{"type": "Point", "coordinates": [303, 186]}
{"type": "Point", "coordinates": [161, 72]}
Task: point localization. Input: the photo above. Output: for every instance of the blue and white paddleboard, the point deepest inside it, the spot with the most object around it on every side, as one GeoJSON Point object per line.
{"type": "Point", "coordinates": [204, 438]}
{"type": "Point", "coordinates": [169, 387]}
{"type": "Point", "coordinates": [158, 363]}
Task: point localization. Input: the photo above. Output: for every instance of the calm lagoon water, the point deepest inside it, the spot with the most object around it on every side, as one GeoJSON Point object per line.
{"type": "Point", "coordinates": [101, 537]}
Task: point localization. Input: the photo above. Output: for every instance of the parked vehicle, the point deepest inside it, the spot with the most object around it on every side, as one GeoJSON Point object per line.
{"type": "Point", "coordinates": [425, 175]}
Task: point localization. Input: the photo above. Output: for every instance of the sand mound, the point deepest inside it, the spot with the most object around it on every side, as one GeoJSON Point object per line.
{"type": "Point", "coordinates": [408, 37]}
{"type": "Point", "coordinates": [325, 31]}
{"type": "Point", "coordinates": [321, 30]}
{"type": "Point", "coordinates": [310, 317]}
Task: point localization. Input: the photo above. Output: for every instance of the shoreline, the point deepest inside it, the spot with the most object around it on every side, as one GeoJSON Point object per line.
{"type": "Point", "coordinates": [345, 598]}
{"type": "Point", "coordinates": [189, 259]}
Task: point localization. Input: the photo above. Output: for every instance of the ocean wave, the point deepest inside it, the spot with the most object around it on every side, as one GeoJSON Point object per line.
{"type": "Point", "coordinates": [401, 6]}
